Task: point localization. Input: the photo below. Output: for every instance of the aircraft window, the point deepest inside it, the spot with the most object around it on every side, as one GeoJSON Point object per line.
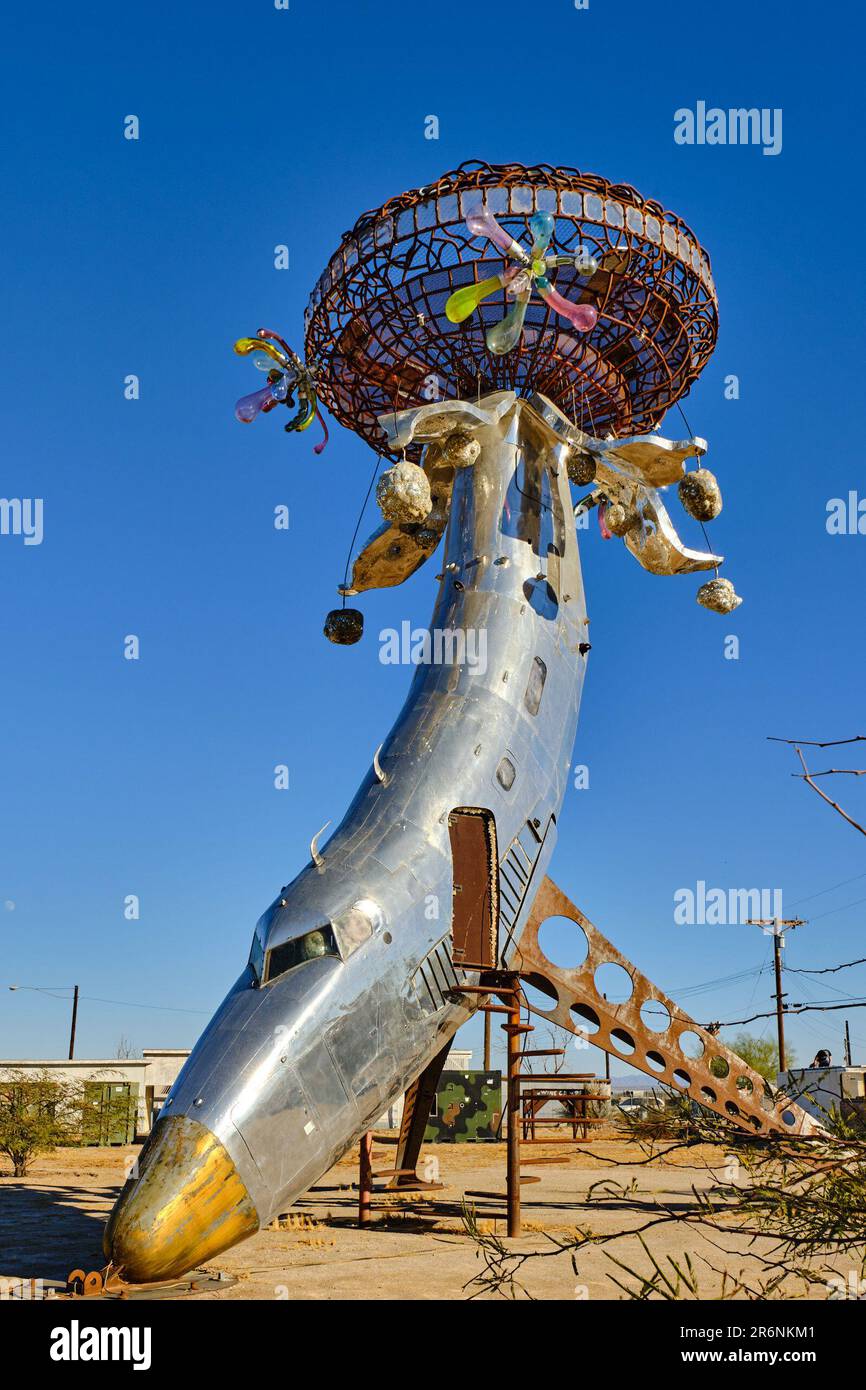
{"type": "Point", "coordinates": [299, 949]}
{"type": "Point", "coordinates": [532, 510]}
{"type": "Point", "coordinates": [356, 925]}
{"type": "Point", "coordinates": [505, 774]}
{"type": "Point", "coordinates": [535, 685]}
{"type": "Point", "coordinates": [522, 507]}
{"type": "Point", "coordinates": [257, 950]}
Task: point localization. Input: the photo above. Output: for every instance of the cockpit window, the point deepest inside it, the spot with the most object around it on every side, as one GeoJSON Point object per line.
{"type": "Point", "coordinates": [340, 937]}
{"type": "Point", "coordinates": [257, 950]}
{"type": "Point", "coordinates": [312, 946]}
{"type": "Point", "coordinates": [356, 925]}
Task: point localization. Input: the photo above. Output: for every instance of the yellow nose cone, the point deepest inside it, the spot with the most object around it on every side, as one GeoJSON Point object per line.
{"type": "Point", "coordinates": [186, 1205]}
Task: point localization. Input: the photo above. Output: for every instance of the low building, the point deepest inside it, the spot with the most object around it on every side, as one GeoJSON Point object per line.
{"type": "Point", "coordinates": [821, 1090]}
{"type": "Point", "coordinates": [163, 1068]}
{"type": "Point", "coordinates": [123, 1096]}
{"type": "Point", "coordinates": [112, 1092]}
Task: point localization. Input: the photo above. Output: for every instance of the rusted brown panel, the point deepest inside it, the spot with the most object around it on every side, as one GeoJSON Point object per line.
{"type": "Point", "coordinates": [742, 1095]}
{"type": "Point", "coordinates": [475, 893]}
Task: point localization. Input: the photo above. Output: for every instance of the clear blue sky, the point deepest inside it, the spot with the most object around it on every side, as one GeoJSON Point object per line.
{"type": "Point", "coordinates": [260, 127]}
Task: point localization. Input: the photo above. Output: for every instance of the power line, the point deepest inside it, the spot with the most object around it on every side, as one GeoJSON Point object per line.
{"type": "Point", "coordinates": [722, 980]}
{"type": "Point", "coordinates": [122, 1003]}
{"type": "Point", "coordinates": [160, 1008]}
{"type": "Point", "coordinates": [843, 908]}
{"type": "Point", "coordinates": [822, 891]}
{"type": "Point", "coordinates": [827, 970]}
{"type": "Point", "coordinates": [791, 1010]}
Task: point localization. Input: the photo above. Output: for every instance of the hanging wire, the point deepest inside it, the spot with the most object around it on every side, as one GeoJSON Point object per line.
{"type": "Point", "coordinates": [831, 889]}
{"type": "Point", "coordinates": [591, 421]}
{"type": "Point", "coordinates": [358, 525]}
{"type": "Point", "coordinates": [685, 421]}
{"type": "Point", "coordinates": [700, 523]}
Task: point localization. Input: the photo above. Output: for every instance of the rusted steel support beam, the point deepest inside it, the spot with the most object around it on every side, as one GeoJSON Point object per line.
{"type": "Point", "coordinates": [365, 1178]}
{"type": "Point", "coordinates": [675, 1050]}
{"type": "Point", "coordinates": [514, 1031]}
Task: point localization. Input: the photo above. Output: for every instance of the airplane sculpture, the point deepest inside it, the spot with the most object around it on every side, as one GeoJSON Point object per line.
{"type": "Point", "coordinates": [362, 969]}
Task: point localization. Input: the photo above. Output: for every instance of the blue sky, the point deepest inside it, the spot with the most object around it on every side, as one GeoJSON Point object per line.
{"type": "Point", "coordinates": [155, 777]}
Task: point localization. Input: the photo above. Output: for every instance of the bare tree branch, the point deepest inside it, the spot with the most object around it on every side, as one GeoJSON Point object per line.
{"type": "Point", "coordinates": [809, 777]}
{"type": "Point", "coordinates": [813, 743]}
{"type": "Point", "coordinates": [824, 797]}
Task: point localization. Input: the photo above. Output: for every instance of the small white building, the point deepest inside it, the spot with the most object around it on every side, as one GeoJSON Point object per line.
{"type": "Point", "coordinates": [163, 1068]}
{"type": "Point", "coordinates": [820, 1090]}
{"type": "Point", "coordinates": [145, 1081]}
{"type": "Point", "coordinates": [104, 1085]}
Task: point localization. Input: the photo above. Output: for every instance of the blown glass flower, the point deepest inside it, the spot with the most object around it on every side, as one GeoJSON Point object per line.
{"type": "Point", "coordinates": [529, 272]}
{"type": "Point", "coordinates": [287, 373]}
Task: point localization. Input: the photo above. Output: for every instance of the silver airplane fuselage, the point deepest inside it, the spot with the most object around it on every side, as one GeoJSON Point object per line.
{"type": "Point", "coordinates": [295, 1066]}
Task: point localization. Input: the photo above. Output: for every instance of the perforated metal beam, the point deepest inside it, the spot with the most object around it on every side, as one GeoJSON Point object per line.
{"type": "Point", "coordinates": [718, 1079]}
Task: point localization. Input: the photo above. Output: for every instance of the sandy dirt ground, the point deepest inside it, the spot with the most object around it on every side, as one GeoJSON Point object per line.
{"type": "Point", "coordinates": [417, 1247]}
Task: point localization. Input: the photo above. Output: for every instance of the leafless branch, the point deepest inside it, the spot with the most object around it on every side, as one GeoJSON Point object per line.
{"type": "Point", "coordinates": [809, 777]}
{"type": "Point", "coordinates": [824, 797]}
{"type": "Point", "coordinates": [812, 743]}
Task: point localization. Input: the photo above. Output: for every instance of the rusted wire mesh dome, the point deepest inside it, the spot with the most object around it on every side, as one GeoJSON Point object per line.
{"type": "Point", "coordinates": [377, 331]}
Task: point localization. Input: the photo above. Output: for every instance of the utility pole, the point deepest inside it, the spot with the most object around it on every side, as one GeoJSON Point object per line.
{"type": "Point", "coordinates": [41, 989]}
{"type": "Point", "coordinates": [780, 925]}
{"type": "Point", "coordinates": [847, 1044]}
{"type": "Point", "coordinates": [74, 1021]}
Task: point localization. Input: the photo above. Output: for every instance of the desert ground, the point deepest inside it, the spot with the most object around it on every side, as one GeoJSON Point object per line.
{"type": "Point", "coordinates": [417, 1247]}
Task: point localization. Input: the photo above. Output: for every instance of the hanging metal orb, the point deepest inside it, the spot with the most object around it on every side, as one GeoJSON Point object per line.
{"type": "Point", "coordinates": [619, 519]}
{"type": "Point", "coordinates": [460, 449]}
{"type": "Point", "coordinates": [581, 468]}
{"type": "Point", "coordinates": [344, 626]}
{"type": "Point", "coordinates": [403, 493]}
{"type": "Point", "coordinates": [700, 494]}
{"type": "Point", "coordinates": [719, 595]}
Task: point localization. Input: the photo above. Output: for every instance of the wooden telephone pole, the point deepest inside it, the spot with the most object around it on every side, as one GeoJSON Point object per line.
{"type": "Point", "coordinates": [780, 925]}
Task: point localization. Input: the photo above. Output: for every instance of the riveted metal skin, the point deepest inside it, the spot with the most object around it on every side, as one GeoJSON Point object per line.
{"type": "Point", "coordinates": [740, 1094]}
{"type": "Point", "coordinates": [289, 1074]}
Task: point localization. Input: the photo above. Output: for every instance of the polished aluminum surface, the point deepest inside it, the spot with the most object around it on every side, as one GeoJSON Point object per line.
{"type": "Point", "coordinates": [631, 471]}
{"type": "Point", "coordinates": [289, 1074]}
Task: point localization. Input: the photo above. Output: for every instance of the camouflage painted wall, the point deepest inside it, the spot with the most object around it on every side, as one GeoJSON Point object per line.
{"type": "Point", "coordinates": [467, 1108]}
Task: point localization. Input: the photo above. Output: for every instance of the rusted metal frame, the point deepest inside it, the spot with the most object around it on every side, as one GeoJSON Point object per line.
{"type": "Point", "coordinates": [416, 254]}
{"type": "Point", "coordinates": [514, 1029]}
{"type": "Point", "coordinates": [416, 1112]}
{"type": "Point", "coordinates": [365, 1178]}
{"type": "Point", "coordinates": [480, 174]}
{"type": "Point", "coordinates": [752, 1104]}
